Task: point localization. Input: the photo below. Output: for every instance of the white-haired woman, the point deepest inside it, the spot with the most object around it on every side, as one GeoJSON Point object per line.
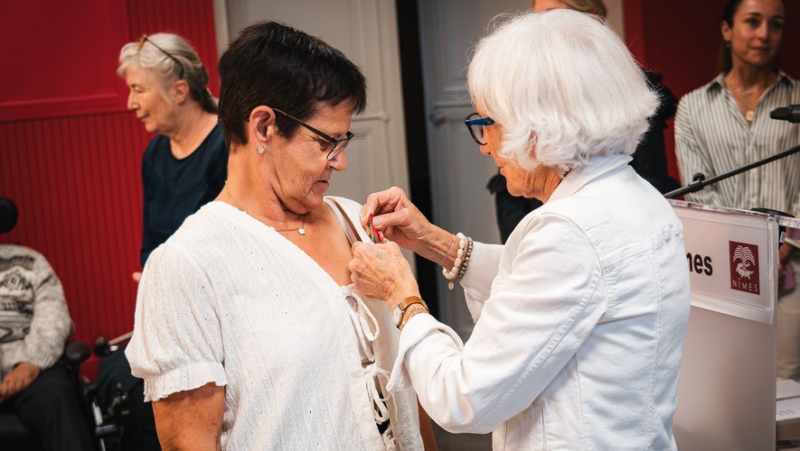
{"type": "Point", "coordinates": [580, 317]}
{"type": "Point", "coordinates": [185, 166]}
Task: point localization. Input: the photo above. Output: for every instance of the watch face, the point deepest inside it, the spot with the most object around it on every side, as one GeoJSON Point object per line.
{"type": "Point", "coordinates": [398, 315]}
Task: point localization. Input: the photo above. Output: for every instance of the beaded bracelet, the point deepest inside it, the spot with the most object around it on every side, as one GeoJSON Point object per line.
{"type": "Point", "coordinates": [453, 272]}
{"type": "Point", "coordinates": [456, 271]}
{"type": "Point", "coordinates": [465, 263]}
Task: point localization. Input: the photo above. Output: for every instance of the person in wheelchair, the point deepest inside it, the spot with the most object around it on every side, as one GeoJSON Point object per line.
{"type": "Point", "coordinates": [34, 324]}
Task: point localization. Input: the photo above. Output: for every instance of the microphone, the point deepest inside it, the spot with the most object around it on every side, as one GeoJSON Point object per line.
{"type": "Point", "coordinates": [789, 113]}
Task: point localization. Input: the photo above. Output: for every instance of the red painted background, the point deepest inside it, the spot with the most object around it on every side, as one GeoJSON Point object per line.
{"type": "Point", "coordinates": [70, 153]}
{"type": "Point", "coordinates": [681, 40]}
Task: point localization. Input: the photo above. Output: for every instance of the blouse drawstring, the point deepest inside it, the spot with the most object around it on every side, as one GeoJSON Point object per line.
{"type": "Point", "coordinates": [361, 317]}
{"type": "Point", "coordinates": [364, 322]}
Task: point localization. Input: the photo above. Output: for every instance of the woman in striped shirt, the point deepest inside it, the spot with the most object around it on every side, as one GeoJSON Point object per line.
{"type": "Point", "coordinates": [725, 125]}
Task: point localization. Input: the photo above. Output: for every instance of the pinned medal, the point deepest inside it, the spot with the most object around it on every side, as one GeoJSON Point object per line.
{"type": "Point", "coordinates": [373, 233]}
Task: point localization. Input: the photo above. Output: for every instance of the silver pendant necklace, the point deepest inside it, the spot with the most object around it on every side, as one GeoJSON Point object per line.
{"type": "Point", "coordinates": [300, 230]}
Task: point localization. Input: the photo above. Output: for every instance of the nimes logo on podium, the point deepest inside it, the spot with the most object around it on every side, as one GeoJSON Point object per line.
{"type": "Point", "coordinates": [744, 267]}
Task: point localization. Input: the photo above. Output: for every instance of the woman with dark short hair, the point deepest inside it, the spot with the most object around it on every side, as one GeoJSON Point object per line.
{"type": "Point", "coordinates": [247, 333]}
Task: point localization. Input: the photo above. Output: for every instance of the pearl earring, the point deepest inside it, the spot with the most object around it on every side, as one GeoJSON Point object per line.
{"type": "Point", "coordinates": [261, 149]}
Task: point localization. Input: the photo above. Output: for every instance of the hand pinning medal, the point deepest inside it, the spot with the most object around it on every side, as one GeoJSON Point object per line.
{"type": "Point", "coordinates": [373, 233]}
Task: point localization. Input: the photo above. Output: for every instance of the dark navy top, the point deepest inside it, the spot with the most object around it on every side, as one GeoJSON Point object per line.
{"type": "Point", "coordinates": [175, 189]}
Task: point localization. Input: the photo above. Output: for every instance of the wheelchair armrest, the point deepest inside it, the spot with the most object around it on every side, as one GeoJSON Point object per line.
{"type": "Point", "coordinates": [76, 352]}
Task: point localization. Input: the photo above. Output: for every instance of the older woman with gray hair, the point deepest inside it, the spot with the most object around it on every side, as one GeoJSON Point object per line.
{"type": "Point", "coordinates": [185, 166]}
{"type": "Point", "coordinates": [580, 317]}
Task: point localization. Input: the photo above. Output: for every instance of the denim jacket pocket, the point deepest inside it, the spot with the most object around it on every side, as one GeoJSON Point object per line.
{"type": "Point", "coordinates": [527, 430]}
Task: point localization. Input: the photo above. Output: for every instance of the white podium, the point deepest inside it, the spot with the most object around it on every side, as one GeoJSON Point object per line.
{"type": "Point", "coordinates": [726, 392]}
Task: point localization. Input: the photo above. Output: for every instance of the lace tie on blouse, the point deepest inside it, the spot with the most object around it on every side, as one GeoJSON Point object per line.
{"type": "Point", "coordinates": [364, 323]}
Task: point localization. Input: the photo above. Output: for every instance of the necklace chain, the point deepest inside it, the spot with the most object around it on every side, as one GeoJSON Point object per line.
{"type": "Point", "coordinates": [744, 100]}
{"type": "Point", "coordinates": [300, 230]}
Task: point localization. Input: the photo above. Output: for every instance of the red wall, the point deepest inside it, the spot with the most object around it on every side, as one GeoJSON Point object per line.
{"type": "Point", "coordinates": [70, 153]}
{"type": "Point", "coordinates": [681, 40]}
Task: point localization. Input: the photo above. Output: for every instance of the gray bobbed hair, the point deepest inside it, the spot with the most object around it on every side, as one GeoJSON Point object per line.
{"type": "Point", "coordinates": [563, 87]}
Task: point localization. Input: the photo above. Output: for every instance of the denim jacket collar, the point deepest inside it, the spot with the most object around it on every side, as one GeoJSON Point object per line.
{"type": "Point", "coordinates": [597, 167]}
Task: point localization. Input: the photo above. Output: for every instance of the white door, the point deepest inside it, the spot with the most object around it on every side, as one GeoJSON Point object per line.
{"type": "Point", "coordinates": [449, 30]}
{"type": "Point", "coordinates": [365, 31]}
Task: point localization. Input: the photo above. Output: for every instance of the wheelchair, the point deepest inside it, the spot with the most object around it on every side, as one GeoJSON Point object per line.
{"type": "Point", "coordinates": [123, 421]}
{"type": "Point", "coordinates": [107, 412]}
{"type": "Point", "coordinates": [113, 416]}
{"type": "Point", "coordinates": [14, 434]}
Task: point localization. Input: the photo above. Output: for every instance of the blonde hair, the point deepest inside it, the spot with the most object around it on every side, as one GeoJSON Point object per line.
{"type": "Point", "coordinates": [596, 7]}
{"type": "Point", "coordinates": [171, 58]}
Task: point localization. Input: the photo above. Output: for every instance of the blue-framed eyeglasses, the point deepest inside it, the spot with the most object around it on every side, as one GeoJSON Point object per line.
{"type": "Point", "coordinates": [336, 145]}
{"type": "Point", "coordinates": [475, 124]}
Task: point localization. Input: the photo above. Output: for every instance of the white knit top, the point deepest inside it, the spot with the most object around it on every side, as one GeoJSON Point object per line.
{"type": "Point", "coordinates": [228, 300]}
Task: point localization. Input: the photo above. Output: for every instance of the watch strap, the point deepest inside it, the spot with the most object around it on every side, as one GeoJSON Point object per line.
{"type": "Point", "coordinates": [411, 312]}
{"type": "Point", "coordinates": [404, 306]}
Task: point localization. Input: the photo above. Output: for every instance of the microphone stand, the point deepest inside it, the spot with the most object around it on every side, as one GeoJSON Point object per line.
{"type": "Point", "coordinates": [699, 182]}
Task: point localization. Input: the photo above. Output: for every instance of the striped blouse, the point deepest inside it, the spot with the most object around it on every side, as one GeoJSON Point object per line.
{"type": "Point", "coordinates": [712, 137]}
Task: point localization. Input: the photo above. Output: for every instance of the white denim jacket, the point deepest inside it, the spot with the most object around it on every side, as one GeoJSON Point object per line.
{"type": "Point", "coordinates": [580, 321]}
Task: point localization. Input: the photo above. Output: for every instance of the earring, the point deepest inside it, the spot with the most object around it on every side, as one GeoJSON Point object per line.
{"type": "Point", "coordinates": [728, 44]}
{"type": "Point", "coordinates": [261, 149]}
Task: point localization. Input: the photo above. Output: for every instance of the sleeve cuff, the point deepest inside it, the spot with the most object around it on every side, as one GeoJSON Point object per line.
{"type": "Point", "coordinates": [477, 281]}
{"type": "Point", "coordinates": [41, 353]}
{"type": "Point", "coordinates": [184, 378]}
{"type": "Point", "coordinates": [417, 329]}
{"type": "Point", "coordinates": [482, 266]}
{"type": "Point", "coordinates": [43, 360]}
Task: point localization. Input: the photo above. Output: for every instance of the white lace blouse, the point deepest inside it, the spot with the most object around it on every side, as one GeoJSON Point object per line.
{"type": "Point", "coordinates": [230, 301]}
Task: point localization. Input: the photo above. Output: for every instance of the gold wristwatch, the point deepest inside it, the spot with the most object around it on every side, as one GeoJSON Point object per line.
{"type": "Point", "coordinates": [402, 312]}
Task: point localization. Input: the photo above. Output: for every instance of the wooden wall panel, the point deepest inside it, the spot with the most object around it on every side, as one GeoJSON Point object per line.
{"type": "Point", "coordinates": [77, 179]}
{"type": "Point", "coordinates": [76, 182]}
{"type": "Point", "coordinates": [192, 19]}
{"type": "Point", "coordinates": [65, 63]}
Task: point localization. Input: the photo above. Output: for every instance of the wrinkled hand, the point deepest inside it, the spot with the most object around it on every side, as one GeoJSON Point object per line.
{"type": "Point", "coordinates": [18, 379]}
{"type": "Point", "coordinates": [381, 272]}
{"type": "Point", "coordinates": [396, 217]}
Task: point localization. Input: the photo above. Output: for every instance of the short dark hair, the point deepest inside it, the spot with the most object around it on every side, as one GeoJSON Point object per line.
{"type": "Point", "coordinates": [276, 65]}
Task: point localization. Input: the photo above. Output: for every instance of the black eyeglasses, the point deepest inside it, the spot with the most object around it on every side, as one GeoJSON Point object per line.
{"type": "Point", "coordinates": [337, 145]}
{"type": "Point", "coordinates": [170, 55]}
{"type": "Point", "coordinates": [475, 124]}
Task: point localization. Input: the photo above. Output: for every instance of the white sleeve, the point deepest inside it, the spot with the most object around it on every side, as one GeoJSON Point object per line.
{"type": "Point", "coordinates": [531, 326]}
{"type": "Point", "coordinates": [177, 341]}
{"type": "Point", "coordinates": [477, 281]}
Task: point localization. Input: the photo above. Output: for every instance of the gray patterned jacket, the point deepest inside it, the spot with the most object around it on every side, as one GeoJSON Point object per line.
{"type": "Point", "coordinates": [34, 320]}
